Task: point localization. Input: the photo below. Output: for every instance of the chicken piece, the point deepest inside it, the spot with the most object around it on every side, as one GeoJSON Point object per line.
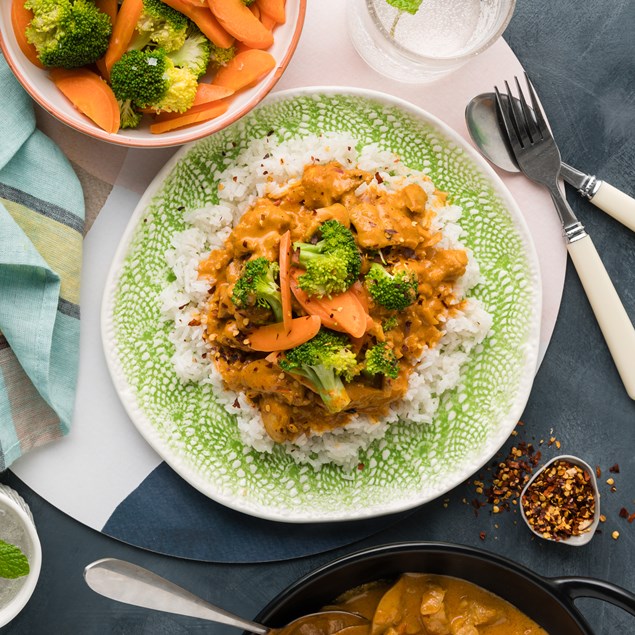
{"type": "Point", "coordinates": [479, 614]}
{"type": "Point", "coordinates": [432, 600]}
{"type": "Point", "coordinates": [277, 420]}
{"type": "Point", "coordinates": [259, 230]}
{"type": "Point", "coordinates": [337, 212]}
{"type": "Point", "coordinates": [263, 377]}
{"type": "Point", "coordinates": [461, 626]}
{"type": "Point", "coordinates": [325, 184]}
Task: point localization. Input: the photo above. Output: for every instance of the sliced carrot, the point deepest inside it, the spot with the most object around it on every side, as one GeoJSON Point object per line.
{"type": "Point", "coordinates": [109, 7]}
{"type": "Point", "coordinates": [358, 289]}
{"type": "Point", "coordinates": [285, 286]}
{"type": "Point", "coordinates": [255, 10]}
{"type": "Point", "coordinates": [268, 22]}
{"type": "Point", "coordinates": [90, 94]}
{"type": "Point", "coordinates": [240, 22]}
{"type": "Point", "coordinates": [204, 20]}
{"type": "Point", "coordinates": [273, 8]}
{"type": "Point", "coordinates": [20, 20]}
{"type": "Point", "coordinates": [122, 32]}
{"type": "Point", "coordinates": [276, 337]}
{"type": "Point", "coordinates": [342, 312]}
{"type": "Point", "coordinates": [245, 69]}
{"type": "Point", "coordinates": [210, 92]}
{"type": "Point", "coordinates": [197, 114]}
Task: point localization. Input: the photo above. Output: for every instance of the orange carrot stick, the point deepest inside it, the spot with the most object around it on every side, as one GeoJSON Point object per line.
{"type": "Point", "coordinates": [123, 30]}
{"type": "Point", "coordinates": [20, 20]}
{"type": "Point", "coordinates": [205, 21]}
{"type": "Point", "coordinates": [285, 287]}
{"type": "Point", "coordinates": [342, 312]}
{"type": "Point", "coordinates": [197, 114]}
{"type": "Point", "coordinates": [267, 21]}
{"type": "Point", "coordinates": [90, 94]}
{"type": "Point", "coordinates": [245, 69]}
{"type": "Point", "coordinates": [276, 337]}
{"type": "Point", "coordinates": [109, 7]}
{"type": "Point", "coordinates": [210, 92]}
{"type": "Point", "coordinates": [273, 8]}
{"type": "Point", "coordinates": [240, 22]}
{"type": "Point", "coordinates": [255, 10]}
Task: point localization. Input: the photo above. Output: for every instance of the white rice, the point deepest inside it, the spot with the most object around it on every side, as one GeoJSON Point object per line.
{"type": "Point", "coordinates": [267, 167]}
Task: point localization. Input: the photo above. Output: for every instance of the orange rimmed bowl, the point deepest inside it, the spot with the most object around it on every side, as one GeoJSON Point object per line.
{"type": "Point", "coordinates": [37, 83]}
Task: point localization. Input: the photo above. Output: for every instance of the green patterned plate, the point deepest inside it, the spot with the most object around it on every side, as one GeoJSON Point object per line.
{"type": "Point", "coordinates": [413, 464]}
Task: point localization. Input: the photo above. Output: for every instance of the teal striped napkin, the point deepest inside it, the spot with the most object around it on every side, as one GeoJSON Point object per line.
{"type": "Point", "coordinates": [41, 224]}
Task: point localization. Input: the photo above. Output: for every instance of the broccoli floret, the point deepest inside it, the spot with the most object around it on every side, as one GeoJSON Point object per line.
{"type": "Point", "coordinates": [324, 361]}
{"type": "Point", "coordinates": [220, 56]}
{"type": "Point", "coordinates": [68, 33]}
{"type": "Point", "coordinates": [389, 323]}
{"type": "Point", "coordinates": [393, 291]}
{"type": "Point", "coordinates": [195, 52]}
{"type": "Point", "coordinates": [248, 2]}
{"type": "Point", "coordinates": [149, 79]}
{"type": "Point", "coordinates": [258, 287]}
{"type": "Point", "coordinates": [128, 115]}
{"type": "Point", "coordinates": [332, 264]}
{"type": "Point", "coordinates": [381, 360]}
{"type": "Point", "coordinates": [160, 25]}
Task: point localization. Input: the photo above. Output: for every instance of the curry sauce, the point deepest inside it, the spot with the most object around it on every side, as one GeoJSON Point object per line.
{"type": "Point", "coordinates": [393, 228]}
{"type": "Point", "coordinates": [423, 604]}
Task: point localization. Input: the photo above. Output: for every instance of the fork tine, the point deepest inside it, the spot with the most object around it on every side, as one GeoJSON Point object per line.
{"type": "Point", "coordinates": [532, 128]}
{"type": "Point", "coordinates": [540, 116]}
{"type": "Point", "coordinates": [503, 108]}
{"type": "Point", "coordinates": [518, 117]}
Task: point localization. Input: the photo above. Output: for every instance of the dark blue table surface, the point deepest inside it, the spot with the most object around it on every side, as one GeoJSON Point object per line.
{"type": "Point", "coordinates": [581, 57]}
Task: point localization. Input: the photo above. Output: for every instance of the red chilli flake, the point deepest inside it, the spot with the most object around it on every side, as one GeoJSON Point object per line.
{"type": "Point", "coordinates": [560, 502]}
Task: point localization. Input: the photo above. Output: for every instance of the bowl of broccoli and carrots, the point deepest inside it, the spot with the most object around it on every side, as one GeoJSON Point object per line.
{"type": "Point", "coordinates": [149, 73]}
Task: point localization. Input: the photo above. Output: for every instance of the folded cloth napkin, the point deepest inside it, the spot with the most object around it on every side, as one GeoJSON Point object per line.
{"type": "Point", "coordinates": [41, 224]}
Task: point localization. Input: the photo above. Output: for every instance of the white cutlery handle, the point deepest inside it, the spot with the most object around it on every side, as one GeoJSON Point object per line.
{"type": "Point", "coordinates": [615, 324]}
{"type": "Point", "coordinates": [615, 203]}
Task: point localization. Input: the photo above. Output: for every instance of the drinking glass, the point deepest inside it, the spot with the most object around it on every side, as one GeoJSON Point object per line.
{"type": "Point", "coordinates": [420, 41]}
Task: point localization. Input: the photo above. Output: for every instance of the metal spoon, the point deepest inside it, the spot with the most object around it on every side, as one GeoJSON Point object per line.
{"type": "Point", "coordinates": [131, 584]}
{"type": "Point", "coordinates": [481, 116]}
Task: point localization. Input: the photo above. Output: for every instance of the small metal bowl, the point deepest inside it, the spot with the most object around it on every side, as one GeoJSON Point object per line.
{"type": "Point", "coordinates": [572, 541]}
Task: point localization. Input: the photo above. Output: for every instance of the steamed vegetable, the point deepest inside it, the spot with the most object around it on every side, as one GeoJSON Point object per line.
{"type": "Point", "coordinates": [381, 360]}
{"type": "Point", "coordinates": [324, 361]}
{"type": "Point", "coordinates": [67, 33]}
{"type": "Point", "coordinates": [277, 337]}
{"type": "Point", "coordinates": [332, 264]}
{"type": "Point", "coordinates": [160, 25]}
{"type": "Point", "coordinates": [149, 79]}
{"type": "Point", "coordinates": [395, 291]}
{"type": "Point", "coordinates": [257, 286]}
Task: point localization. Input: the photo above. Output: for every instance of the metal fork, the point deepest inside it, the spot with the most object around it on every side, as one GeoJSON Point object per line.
{"type": "Point", "coordinates": [538, 158]}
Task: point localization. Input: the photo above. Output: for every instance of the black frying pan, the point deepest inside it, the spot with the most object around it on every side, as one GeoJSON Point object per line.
{"type": "Point", "coordinates": [548, 601]}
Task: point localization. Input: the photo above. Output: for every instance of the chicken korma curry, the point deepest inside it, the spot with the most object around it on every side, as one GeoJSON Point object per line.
{"type": "Point", "coordinates": [325, 296]}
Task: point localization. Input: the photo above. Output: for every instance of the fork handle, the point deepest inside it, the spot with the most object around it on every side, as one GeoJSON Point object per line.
{"type": "Point", "coordinates": [614, 322]}
{"type": "Point", "coordinates": [615, 203]}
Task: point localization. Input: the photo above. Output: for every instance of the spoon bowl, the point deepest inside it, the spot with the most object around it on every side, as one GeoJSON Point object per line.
{"type": "Point", "coordinates": [481, 117]}
{"type": "Point", "coordinates": [131, 584]}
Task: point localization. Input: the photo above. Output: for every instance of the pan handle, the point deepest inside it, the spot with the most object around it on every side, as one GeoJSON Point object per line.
{"type": "Point", "coordinates": [574, 588]}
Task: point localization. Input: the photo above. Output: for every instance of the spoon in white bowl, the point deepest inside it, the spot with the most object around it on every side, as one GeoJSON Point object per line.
{"type": "Point", "coordinates": [483, 125]}
{"type": "Point", "coordinates": [132, 584]}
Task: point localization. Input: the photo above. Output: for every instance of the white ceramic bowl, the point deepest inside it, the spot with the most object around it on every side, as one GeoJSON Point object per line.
{"type": "Point", "coordinates": [37, 83]}
{"type": "Point", "coordinates": [13, 503]}
{"type": "Point", "coordinates": [585, 536]}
